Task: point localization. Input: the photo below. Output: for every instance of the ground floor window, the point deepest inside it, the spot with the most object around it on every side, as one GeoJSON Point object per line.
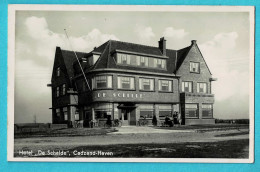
{"type": "Point", "coordinates": [102, 110]}
{"type": "Point", "coordinates": [65, 112]}
{"type": "Point", "coordinates": [165, 110]}
{"type": "Point", "coordinates": [207, 111]}
{"type": "Point", "coordinates": [191, 111]}
{"type": "Point", "coordinates": [146, 111]}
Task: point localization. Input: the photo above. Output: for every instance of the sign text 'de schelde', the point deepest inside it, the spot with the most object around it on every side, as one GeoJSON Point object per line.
{"type": "Point", "coordinates": [119, 95]}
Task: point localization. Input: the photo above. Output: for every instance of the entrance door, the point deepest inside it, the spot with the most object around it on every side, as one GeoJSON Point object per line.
{"type": "Point", "coordinates": [125, 116]}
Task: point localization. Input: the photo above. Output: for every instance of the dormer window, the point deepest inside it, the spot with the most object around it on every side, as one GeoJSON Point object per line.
{"type": "Point", "coordinates": [58, 71]}
{"type": "Point", "coordinates": [144, 61]}
{"type": "Point", "coordinates": [123, 59]}
{"type": "Point", "coordinates": [194, 67]}
{"type": "Point", "coordinates": [140, 61]}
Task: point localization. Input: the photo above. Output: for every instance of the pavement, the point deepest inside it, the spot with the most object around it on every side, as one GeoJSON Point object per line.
{"type": "Point", "coordinates": [147, 130]}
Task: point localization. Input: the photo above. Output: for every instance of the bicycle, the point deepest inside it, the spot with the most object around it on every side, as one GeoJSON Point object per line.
{"type": "Point", "coordinates": [143, 122]}
{"type": "Point", "coordinates": [115, 123]}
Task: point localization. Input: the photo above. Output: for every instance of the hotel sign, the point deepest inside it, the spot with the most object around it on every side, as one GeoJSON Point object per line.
{"type": "Point", "coordinates": [119, 95]}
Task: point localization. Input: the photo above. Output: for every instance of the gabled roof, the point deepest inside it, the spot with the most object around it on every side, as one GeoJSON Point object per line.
{"type": "Point", "coordinates": [174, 58]}
{"type": "Point", "coordinates": [69, 59]}
{"type": "Point", "coordinates": [181, 55]}
{"type": "Point", "coordinates": [106, 59]}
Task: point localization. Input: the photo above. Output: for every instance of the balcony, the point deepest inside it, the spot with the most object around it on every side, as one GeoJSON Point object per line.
{"type": "Point", "coordinates": [186, 97]}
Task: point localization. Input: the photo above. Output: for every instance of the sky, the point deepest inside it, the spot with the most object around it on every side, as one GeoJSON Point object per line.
{"type": "Point", "coordinates": [223, 38]}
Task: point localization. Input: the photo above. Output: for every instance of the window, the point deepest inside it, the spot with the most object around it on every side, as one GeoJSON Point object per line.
{"type": "Point", "coordinates": [191, 111]}
{"type": "Point", "coordinates": [133, 60]}
{"type": "Point", "coordinates": [207, 111]}
{"type": "Point", "coordinates": [143, 61]}
{"type": "Point", "coordinates": [165, 110]}
{"type": "Point", "coordinates": [160, 63]}
{"type": "Point", "coordinates": [126, 82]}
{"type": "Point", "coordinates": [194, 67]}
{"type": "Point", "coordinates": [151, 62]}
{"type": "Point", "coordinates": [146, 84]}
{"type": "Point", "coordinates": [186, 86]}
{"type": "Point", "coordinates": [58, 71]}
{"type": "Point", "coordinates": [102, 82]}
{"type": "Point", "coordinates": [102, 110]}
{"type": "Point", "coordinates": [123, 59]}
{"type": "Point", "coordinates": [165, 85]}
{"type": "Point", "coordinates": [201, 87]}
{"type": "Point", "coordinates": [58, 112]}
{"type": "Point", "coordinates": [65, 112]}
{"type": "Point", "coordinates": [146, 111]}
{"type": "Point", "coordinates": [57, 91]}
{"type": "Point", "coordinates": [63, 89]}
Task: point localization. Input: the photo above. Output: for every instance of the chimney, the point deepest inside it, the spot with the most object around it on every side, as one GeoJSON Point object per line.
{"type": "Point", "coordinates": [162, 45]}
{"type": "Point", "coordinates": [193, 42]}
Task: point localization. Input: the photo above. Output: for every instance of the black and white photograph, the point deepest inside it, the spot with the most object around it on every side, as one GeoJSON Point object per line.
{"type": "Point", "coordinates": [96, 83]}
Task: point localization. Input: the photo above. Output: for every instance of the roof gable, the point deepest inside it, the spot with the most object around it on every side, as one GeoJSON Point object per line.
{"type": "Point", "coordinates": [184, 53]}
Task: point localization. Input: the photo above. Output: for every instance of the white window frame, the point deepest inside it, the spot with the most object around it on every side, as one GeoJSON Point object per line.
{"type": "Point", "coordinates": [141, 84]}
{"type": "Point", "coordinates": [196, 66]}
{"type": "Point", "coordinates": [184, 84]}
{"type": "Point", "coordinates": [121, 79]}
{"type": "Point", "coordinates": [170, 83]}
{"type": "Point", "coordinates": [204, 87]}
{"type": "Point", "coordinates": [108, 80]}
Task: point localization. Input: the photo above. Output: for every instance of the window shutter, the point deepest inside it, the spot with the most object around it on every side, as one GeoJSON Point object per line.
{"type": "Point", "coordinates": [109, 81]}
{"type": "Point", "coordinates": [151, 84]}
{"type": "Point", "coordinates": [132, 83]}
{"type": "Point", "coordinates": [170, 85]}
{"type": "Point", "coordinates": [141, 83]}
{"type": "Point", "coordinates": [119, 83]}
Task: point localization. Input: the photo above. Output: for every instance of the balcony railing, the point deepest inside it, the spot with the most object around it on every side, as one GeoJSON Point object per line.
{"type": "Point", "coordinates": [186, 94]}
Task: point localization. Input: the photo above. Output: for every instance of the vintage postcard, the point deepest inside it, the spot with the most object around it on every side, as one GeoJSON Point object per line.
{"type": "Point", "coordinates": [113, 83]}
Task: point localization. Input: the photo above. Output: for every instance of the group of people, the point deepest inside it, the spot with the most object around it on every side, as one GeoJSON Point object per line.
{"type": "Point", "coordinates": [176, 120]}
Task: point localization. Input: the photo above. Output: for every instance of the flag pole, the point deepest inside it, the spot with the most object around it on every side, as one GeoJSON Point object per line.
{"type": "Point", "coordinates": [77, 59]}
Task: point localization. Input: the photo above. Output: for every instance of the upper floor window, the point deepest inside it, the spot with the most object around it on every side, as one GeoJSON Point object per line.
{"type": "Point", "coordinates": [123, 59]}
{"type": "Point", "coordinates": [194, 67]}
{"type": "Point", "coordinates": [141, 61]}
{"type": "Point", "coordinates": [58, 71]}
{"type": "Point", "coordinates": [146, 84]}
{"type": "Point", "coordinates": [165, 85]}
{"type": "Point", "coordinates": [58, 112]}
{"type": "Point", "coordinates": [104, 81]}
{"type": "Point", "coordinates": [57, 91]}
{"type": "Point", "coordinates": [201, 87]}
{"type": "Point", "coordinates": [63, 89]}
{"type": "Point", "coordinates": [186, 86]}
{"type": "Point", "coordinates": [125, 82]}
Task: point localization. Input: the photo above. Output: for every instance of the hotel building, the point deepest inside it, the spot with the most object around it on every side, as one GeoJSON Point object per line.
{"type": "Point", "coordinates": [131, 81]}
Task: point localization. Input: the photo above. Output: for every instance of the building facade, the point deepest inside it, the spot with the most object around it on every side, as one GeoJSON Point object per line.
{"type": "Point", "coordinates": [129, 82]}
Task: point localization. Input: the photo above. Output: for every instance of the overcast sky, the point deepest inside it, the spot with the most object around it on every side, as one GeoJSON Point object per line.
{"type": "Point", "coordinates": [222, 37]}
